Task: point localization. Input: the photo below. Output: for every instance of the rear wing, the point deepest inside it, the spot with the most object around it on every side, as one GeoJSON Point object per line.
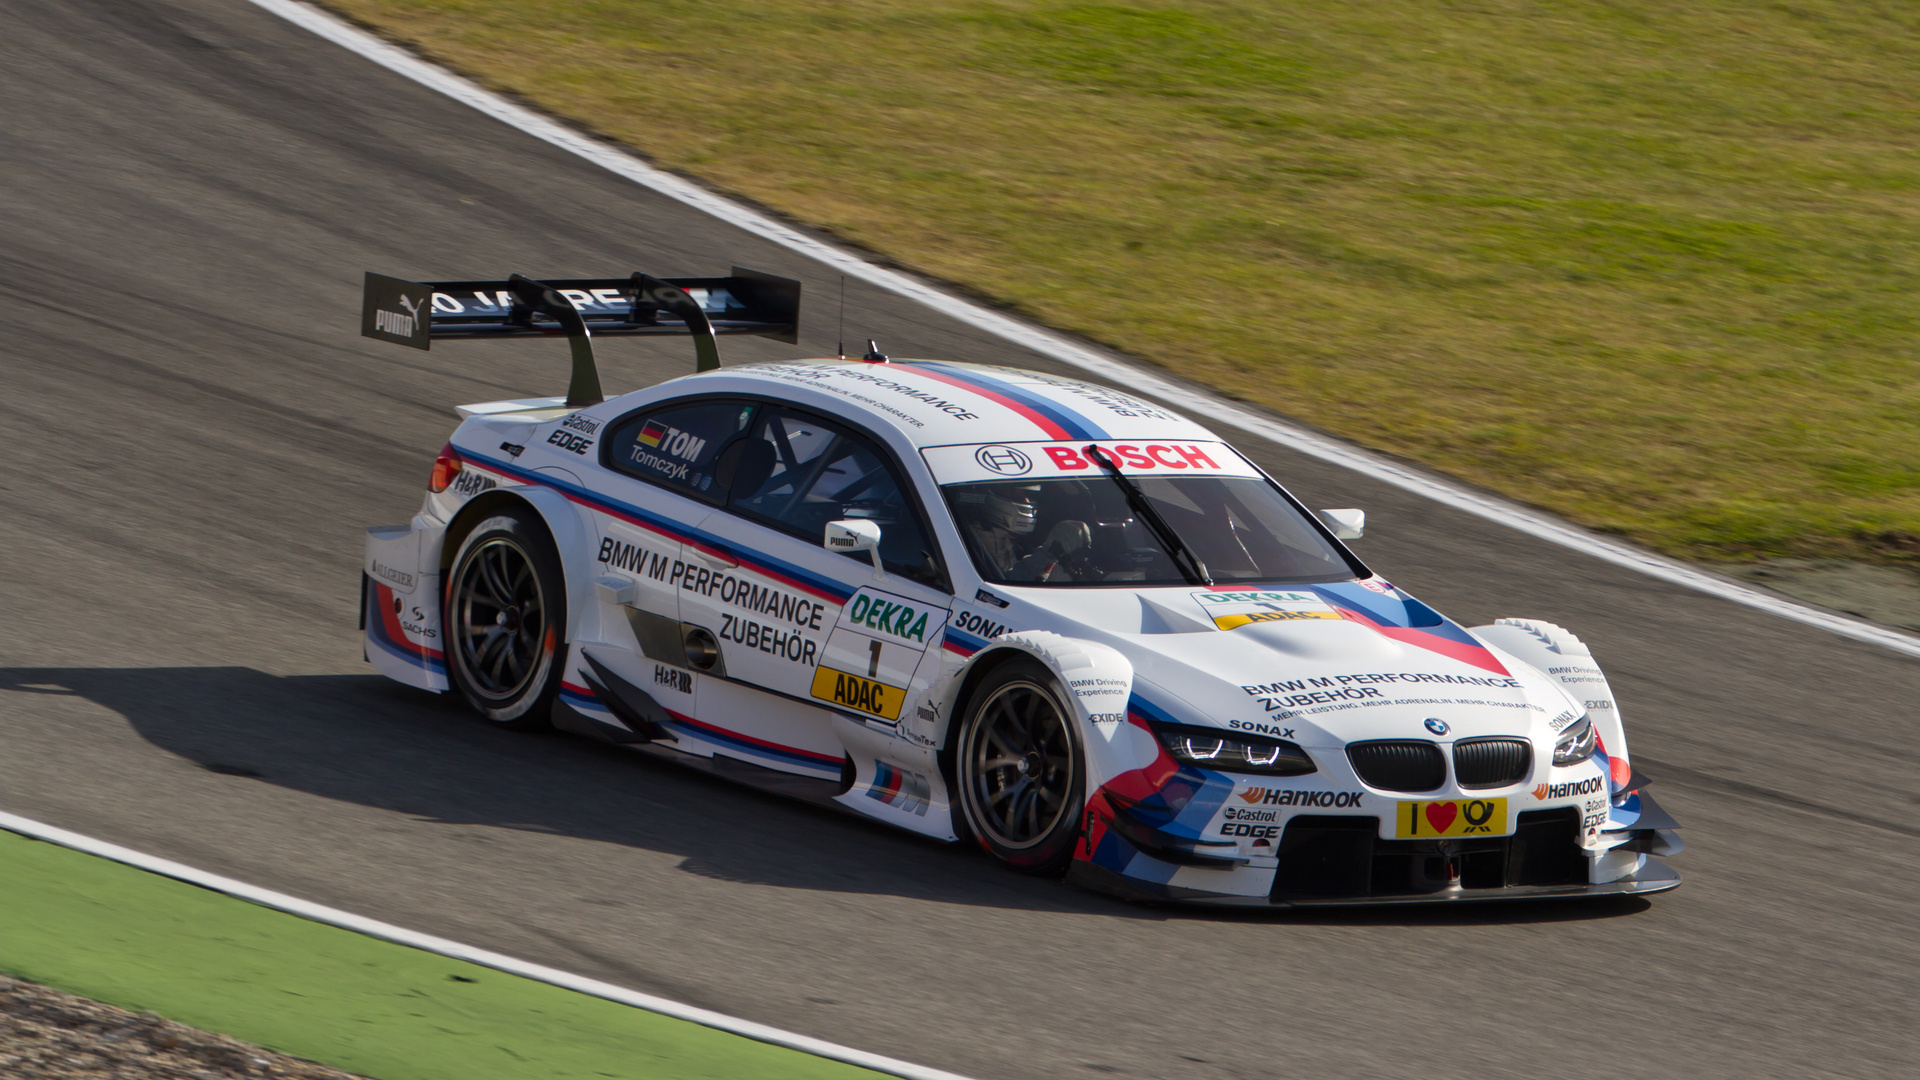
{"type": "Point", "coordinates": [414, 313]}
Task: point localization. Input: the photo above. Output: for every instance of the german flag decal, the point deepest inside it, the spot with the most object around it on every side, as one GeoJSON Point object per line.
{"type": "Point", "coordinates": [652, 434]}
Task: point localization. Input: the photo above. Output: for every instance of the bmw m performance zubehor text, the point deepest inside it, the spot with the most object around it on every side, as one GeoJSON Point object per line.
{"type": "Point", "coordinates": [984, 605]}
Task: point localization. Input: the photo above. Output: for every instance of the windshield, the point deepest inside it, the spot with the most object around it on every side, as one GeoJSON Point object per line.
{"type": "Point", "coordinates": [1082, 532]}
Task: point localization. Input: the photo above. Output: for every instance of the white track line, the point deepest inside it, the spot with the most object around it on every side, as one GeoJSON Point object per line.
{"type": "Point", "coordinates": [1068, 352]}
{"type": "Point", "coordinates": [454, 950]}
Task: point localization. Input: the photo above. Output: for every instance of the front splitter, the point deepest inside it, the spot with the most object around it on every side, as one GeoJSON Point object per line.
{"type": "Point", "coordinates": [1653, 876]}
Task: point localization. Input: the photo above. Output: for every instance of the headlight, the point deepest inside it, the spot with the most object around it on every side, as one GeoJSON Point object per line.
{"type": "Point", "coordinates": [1575, 744]}
{"type": "Point", "coordinates": [1227, 751]}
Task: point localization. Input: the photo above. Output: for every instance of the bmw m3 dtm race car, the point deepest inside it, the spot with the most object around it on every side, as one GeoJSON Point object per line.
{"type": "Point", "coordinates": [983, 604]}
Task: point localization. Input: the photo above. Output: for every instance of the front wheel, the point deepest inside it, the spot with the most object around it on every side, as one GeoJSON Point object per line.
{"type": "Point", "coordinates": [1022, 780]}
{"type": "Point", "coordinates": [506, 608]}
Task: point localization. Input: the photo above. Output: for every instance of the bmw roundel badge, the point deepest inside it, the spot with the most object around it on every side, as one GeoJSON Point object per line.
{"type": "Point", "coordinates": [1438, 727]}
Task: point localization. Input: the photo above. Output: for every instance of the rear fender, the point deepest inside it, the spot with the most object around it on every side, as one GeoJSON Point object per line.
{"type": "Point", "coordinates": [572, 538]}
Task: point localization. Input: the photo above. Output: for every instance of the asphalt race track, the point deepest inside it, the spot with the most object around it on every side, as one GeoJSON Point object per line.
{"type": "Point", "coordinates": [189, 192]}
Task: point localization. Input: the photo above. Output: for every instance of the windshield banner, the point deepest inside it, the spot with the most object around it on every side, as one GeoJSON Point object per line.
{"type": "Point", "coordinates": [1055, 460]}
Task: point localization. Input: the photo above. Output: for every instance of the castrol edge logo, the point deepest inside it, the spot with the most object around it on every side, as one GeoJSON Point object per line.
{"type": "Point", "coordinates": [1051, 460]}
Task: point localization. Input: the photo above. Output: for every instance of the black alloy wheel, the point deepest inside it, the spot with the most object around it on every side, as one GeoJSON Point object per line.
{"type": "Point", "coordinates": [1022, 782]}
{"type": "Point", "coordinates": [506, 610]}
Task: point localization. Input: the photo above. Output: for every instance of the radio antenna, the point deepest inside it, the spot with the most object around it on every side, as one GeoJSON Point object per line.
{"type": "Point", "coordinates": [842, 347]}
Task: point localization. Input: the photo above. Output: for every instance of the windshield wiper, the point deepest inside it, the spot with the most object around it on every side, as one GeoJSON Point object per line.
{"type": "Point", "coordinates": [1189, 563]}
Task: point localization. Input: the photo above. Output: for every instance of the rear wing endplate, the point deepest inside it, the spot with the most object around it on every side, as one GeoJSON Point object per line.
{"type": "Point", "coordinates": [747, 302]}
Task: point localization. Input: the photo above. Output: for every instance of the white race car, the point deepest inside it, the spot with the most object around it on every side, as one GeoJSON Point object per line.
{"type": "Point", "coordinates": [989, 605]}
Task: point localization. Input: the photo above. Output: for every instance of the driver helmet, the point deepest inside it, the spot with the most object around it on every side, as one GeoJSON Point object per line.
{"type": "Point", "coordinates": [1010, 507]}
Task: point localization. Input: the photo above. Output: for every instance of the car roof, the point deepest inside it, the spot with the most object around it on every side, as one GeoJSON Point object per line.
{"type": "Point", "coordinates": [941, 403]}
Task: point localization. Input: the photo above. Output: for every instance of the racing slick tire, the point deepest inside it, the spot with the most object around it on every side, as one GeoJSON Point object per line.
{"type": "Point", "coordinates": [506, 610]}
{"type": "Point", "coordinates": [1022, 775]}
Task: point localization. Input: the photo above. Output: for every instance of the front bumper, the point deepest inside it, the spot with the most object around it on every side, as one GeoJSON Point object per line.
{"type": "Point", "coordinates": [1333, 859]}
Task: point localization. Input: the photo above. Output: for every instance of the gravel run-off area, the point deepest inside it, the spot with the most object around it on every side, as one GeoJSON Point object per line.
{"type": "Point", "coordinates": [49, 1035]}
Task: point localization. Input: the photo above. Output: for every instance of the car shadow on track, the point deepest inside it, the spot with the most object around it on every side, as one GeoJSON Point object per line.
{"type": "Point", "coordinates": [366, 740]}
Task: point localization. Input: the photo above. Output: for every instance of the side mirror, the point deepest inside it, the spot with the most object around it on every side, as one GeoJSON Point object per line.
{"type": "Point", "coordinates": [1346, 524]}
{"type": "Point", "coordinates": [856, 534]}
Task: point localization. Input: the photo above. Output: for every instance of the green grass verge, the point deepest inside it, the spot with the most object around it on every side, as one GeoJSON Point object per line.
{"type": "Point", "coordinates": [1651, 264]}
{"type": "Point", "coordinates": [133, 939]}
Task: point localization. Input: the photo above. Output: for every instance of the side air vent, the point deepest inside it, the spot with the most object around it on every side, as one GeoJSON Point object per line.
{"type": "Point", "coordinates": [1399, 764]}
{"type": "Point", "coordinates": [1491, 763]}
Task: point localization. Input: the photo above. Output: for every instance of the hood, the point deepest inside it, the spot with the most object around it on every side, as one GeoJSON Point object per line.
{"type": "Point", "coordinates": [1319, 665]}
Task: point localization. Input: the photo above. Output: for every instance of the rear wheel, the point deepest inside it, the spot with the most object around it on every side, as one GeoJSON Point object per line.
{"type": "Point", "coordinates": [506, 609]}
{"type": "Point", "coordinates": [1022, 780]}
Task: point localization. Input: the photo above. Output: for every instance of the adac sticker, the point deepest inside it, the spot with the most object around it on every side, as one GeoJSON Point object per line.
{"type": "Point", "coordinates": [1233, 609]}
{"type": "Point", "coordinates": [858, 693]}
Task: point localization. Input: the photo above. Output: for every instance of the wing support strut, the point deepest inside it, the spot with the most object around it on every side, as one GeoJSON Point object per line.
{"type": "Point", "coordinates": [583, 389]}
{"type": "Point", "coordinates": [648, 289]}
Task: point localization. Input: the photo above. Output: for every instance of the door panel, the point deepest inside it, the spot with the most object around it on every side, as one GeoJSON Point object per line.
{"type": "Point", "coordinates": [795, 619]}
{"type": "Point", "coordinates": [811, 625]}
{"type": "Point", "coordinates": [770, 616]}
{"type": "Point", "coordinates": [802, 632]}
{"type": "Point", "coordinates": [876, 647]}
{"type": "Point", "coordinates": [740, 722]}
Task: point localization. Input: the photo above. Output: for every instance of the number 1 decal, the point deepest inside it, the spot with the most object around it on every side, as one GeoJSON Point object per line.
{"type": "Point", "coordinates": [873, 666]}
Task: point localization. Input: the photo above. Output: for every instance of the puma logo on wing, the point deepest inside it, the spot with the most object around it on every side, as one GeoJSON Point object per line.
{"type": "Point", "coordinates": [412, 306]}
